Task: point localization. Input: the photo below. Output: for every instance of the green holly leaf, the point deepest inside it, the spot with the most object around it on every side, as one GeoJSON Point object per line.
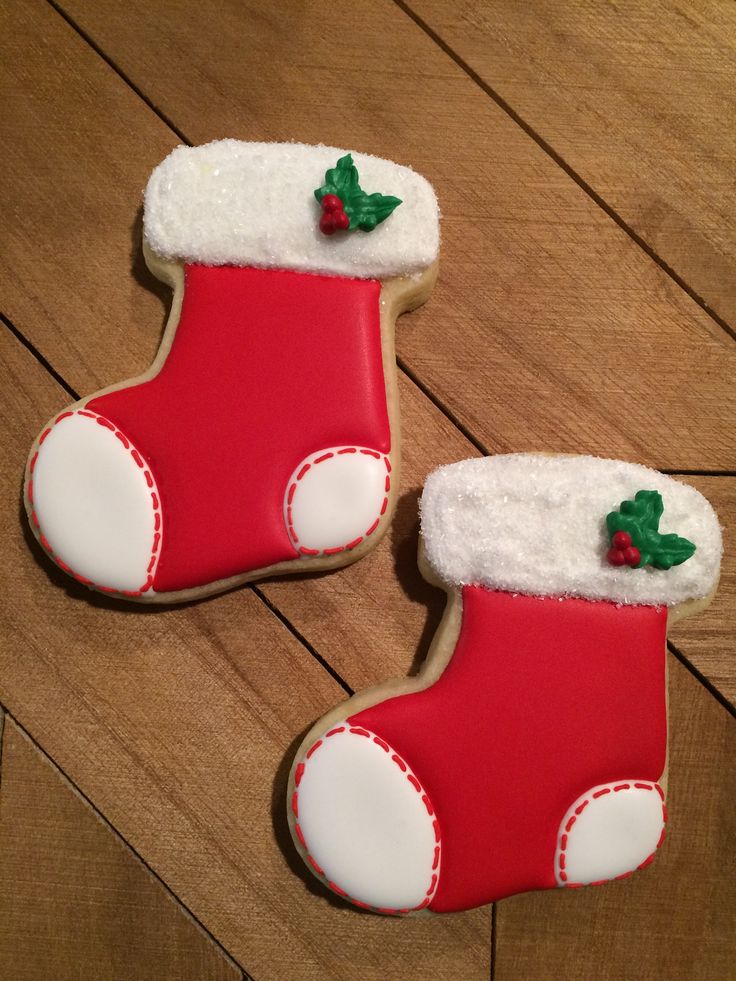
{"type": "Point", "coordinates": [364, 211]}
{"type": "Point", "coordinates": [369, 210]}
{"type": "Point", "coordinates": [640, 517]}
{"type": "Point", "coordinates": [342, 180]}
{"type": "Point", "coordinates": [672, 550]}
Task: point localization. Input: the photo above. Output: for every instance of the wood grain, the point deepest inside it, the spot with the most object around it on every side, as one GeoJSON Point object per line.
{"type": "Point", "coordinates": [674, 920]}
{"type": "Point", "coordinates": [550, 327]}
{"type": "Point", "coordinates": [709, 641]}
{"type": "Point", "coordinates": [75, 903]}
{"type": "Point", "coordinates": [179, 724]}
{"type": "Point", "coordinates": [638, 98]}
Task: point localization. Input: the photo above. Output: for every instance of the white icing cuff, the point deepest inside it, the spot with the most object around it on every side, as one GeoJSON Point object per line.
{"type": "Point", "coordinates": [536, 524]}
{"type": "Point", "coordinates": [253, 204]}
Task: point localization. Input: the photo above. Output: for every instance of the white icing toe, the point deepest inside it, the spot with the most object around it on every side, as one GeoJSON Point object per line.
{"type": "Point", "coordinates": [610, 832]}
{"type": "Point", "coordinates": [335, 499]}
{"type": "Point", "coordinates": [366, 823]}
{"type": "Point", "coordinates": [94, 503]}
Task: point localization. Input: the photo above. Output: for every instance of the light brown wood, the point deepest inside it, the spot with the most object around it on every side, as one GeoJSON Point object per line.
{"type": "Point", "coordinates": [550, 329]}
{"type": "Point", "coordinates": [675, 919]}
{"type": "Point", "coordinates": [180, 724]}
{"type": "Point", "coordinates": [639, 99]}
{"type": "Point", "coordinates": [709, 641]}
{"type": "Point", "coordinates": [75, 903]}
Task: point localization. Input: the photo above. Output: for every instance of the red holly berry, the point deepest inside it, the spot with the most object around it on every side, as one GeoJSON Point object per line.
{"type": "Point", "coordinates": [615, 556]}
{"type": "Point", "coordinates": [327, 223]}
{"type": "Point", "coordinates": [331, 202]}
{"type": "Point", "coordinates": [632, 555]}
{"type": "Point", "coordinates": [341, 220]}
{"type": "Point", "coordinates": [622, 539]}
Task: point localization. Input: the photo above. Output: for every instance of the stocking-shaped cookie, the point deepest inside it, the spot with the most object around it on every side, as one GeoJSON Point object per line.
{"type": "Point", "coordinates": [264, 438]}
{"type": "Point", "coordinates": [531, 750]}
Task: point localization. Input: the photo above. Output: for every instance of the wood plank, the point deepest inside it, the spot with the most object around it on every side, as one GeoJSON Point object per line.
{"type": "Point", "coordinates": [676, 919]}
{"type": "Point", "coordinates": [76, 904]}
{"type": "Point", "coordinates": [179, 725]}
{"type": "Point", "coordinates": [709, 641]}
{"type": "Point", "coordinates": [84, 145]}
{"type": "Point", "coordinates": [550, 327]}
{"type": "Point", "coordinates": [638, 98]}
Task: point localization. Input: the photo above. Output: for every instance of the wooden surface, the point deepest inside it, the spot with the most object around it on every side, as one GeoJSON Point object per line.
{"type": "Point", "coordinates": [80, 904]}
{"type": "Point", "coordinates": [638, 99]}
{"type": "Point", "coordinates": [552, 328]}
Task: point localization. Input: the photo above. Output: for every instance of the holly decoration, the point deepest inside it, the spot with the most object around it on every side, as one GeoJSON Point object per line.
{"type": "Point", "coordinates": [635, 537]}
{"type": "Point", "coordinates": [346, 206]}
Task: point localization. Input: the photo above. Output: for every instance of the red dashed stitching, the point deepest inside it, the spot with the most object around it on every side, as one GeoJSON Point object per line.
{"type": "Point", "coordinates": [154, 501]}
{"type": "Point", "coordinates": [299, 773]}
{"type": "Point", "coordinates": [562, 875]}
{"type": "Point", "coordinates": [300, 476]}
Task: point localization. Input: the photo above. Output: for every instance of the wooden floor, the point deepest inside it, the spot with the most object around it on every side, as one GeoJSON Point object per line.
{"type": "Point", "coordinates": [584, 158]}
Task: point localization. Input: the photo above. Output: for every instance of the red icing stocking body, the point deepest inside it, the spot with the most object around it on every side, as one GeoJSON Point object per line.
{"type": "Point", "coordinates": [543, 699]}
{"type": "Point", "coordinates": [267, 368]}
{"type": "Point", "coordinates": [261, 441]}
{"type": "Point", "coordinates": [533, 755]}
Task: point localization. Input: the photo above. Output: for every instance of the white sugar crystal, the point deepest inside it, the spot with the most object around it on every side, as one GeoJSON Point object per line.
{"type": "Point", "coordinates": [535, 524]}
{"type": "Point", "coordinates": [236, 203]}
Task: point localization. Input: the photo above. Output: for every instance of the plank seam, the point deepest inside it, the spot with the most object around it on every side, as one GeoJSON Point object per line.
{"type": "Point", "coordinates": [567, 168]}
{"type": "Point", "coordinates": [2, 733]}
{"type": "Point", "coordinates": [35, 353]}
{"type": "Point", "coordinates": [699, 676]}
{"type": "Point", "coordinates": [675, 472]}
{"type": "Point", "coordinates": [111, 827]}
{"type": "Point", "coordinates": [302, 640]}
{"type": "Point", "coordinates": [494, 939]}
{"type": "Point", "coordinates": [118, 71]}
{"type": "Point", "coordinates": [445, 410]}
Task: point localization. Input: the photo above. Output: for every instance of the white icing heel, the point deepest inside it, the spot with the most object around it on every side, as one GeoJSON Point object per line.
{"type": "Point", "coordinates": [609, 832]}
{"type": "Point", "coordinates": [365, 823]}
{"type": "Point", "coordinates": [94, 504]}
{"type": "Point", "coordinates": [336, 498]}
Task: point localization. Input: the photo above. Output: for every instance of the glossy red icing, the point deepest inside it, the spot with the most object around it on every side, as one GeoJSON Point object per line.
{"type": "Point", "coordinates": [266, 367]}
{"type": "Point", "coordinates": [542, 699]}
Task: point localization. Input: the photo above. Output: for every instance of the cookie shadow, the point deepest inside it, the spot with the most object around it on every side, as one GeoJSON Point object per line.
{"type": "Point", "coordinates": [282, 834]}
{"type": "Point", "coordinates": [141, 273]}
{"type": "Point", "coordinates": [404, 544]}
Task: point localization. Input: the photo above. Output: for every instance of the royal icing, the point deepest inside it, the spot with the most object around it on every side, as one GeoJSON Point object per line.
{"type": "Point", "coordinates": [609, 832]}
{"type": "Point", "coordinates": [231, 202]}
{"type": "Point", "coordinates": [268, 372]}
{"type": "Point", "coordinates": [541, 700]}
{"type": "Point", "coordinates": [346, 206]}
{"type": "Point", "coordinates": [90, 485]}
{"type": "Point", "coordinates": [537, 524]}
{"type": "Point", "coordinates": [372, 832]}
{"type": "Point", "coordinates": [636, 537]}
{"type": "Point", "coordinates": [336, 498]}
